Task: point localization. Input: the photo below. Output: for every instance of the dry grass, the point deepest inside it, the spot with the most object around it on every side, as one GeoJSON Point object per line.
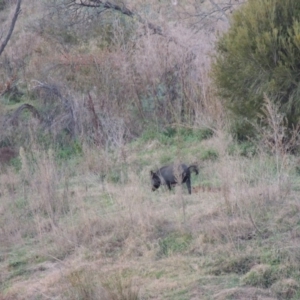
{"type": "Point", "coordinates": [90, 227]}
{"type": "Point", "coordinates": [83, 231]}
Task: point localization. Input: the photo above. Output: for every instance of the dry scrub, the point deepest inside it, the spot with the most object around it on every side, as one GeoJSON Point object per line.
{"type": "Point", "coordinates": [88, 226]}
{"type": "Point", "coordinates": [83, 230]}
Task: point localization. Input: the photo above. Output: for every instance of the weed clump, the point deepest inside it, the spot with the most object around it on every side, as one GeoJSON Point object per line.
{"type": "Point", "coordinates": [286, 288]}
{"type": "Point", "coordinates": [261, 276]}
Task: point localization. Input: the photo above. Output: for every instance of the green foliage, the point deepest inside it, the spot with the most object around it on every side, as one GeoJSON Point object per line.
{"type": "Point", "coordinates": [271, 258]}
{"type": "Point", "coordinates": [191, 135]}
{"type": "Point", "coordinates": [12, 96]}
{"type": "Point", "coordinates": [260, 54]}
{"type": "Point", "coordinates": [18, 263]}
{"type": "Point", "coordinates": [172, 135]}
{"type": "Point", "coordinates": [16, 163]}
{"type": "Point", "coordinates": [69, 150]}
{"type": "Point", "coordinates": [152, 133]}
{"type": "Point", "coordinates": [174, 243]}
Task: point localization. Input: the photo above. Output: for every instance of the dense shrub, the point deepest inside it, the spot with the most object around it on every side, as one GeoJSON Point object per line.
{"type": "Point", "coordinates": [260, 54]}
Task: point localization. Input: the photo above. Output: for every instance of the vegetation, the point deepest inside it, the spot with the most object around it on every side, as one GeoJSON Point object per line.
{"type": "Point", "coordinates": [258, 56]}
{"type": "Point", "coordinates": [93, 96]}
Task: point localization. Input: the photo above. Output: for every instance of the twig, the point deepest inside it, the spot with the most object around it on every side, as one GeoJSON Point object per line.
{"type": "Point", "coordinates": [12, 26]}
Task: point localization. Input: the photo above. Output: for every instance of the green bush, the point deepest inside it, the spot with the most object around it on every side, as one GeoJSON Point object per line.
{"type": "Point", "coordinates": [191, 135]}
{"type": "Point", "coordinates": [69, 150]}
{"type": "Point", "coordinates": [260, 54]}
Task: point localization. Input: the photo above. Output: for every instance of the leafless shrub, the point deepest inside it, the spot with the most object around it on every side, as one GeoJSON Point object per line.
{"type": "Point", "coordinates": [206, 14]}
{"type": "Point", "coordinates": [275, 137]}
{"type": "Point", "coordinates": [62, 114]}
{"type": "Point", "coordinates": [133, 84]}
{"type": "Point", "coordinates": [115, 131]}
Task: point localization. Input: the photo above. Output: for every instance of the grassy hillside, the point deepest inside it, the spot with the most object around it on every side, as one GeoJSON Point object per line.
{"type": "Point", "coordinates": [90, 228]}
{"type": "Point", "coordinates": [107, 101]}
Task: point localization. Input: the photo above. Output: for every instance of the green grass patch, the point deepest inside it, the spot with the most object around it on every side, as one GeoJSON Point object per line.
{"type": "Point", "coordinates": [20, 260]}
{"type": "Point", "coordinates": [173, 136]}
{"type": "Point", "coordinates": [209, 154]}
{"type": "Point", "coordinates": [65, 152]}
{"type": "Point", "coordinates": [166, 158]}
{"type": "Point", "coordinates": [175, 242]}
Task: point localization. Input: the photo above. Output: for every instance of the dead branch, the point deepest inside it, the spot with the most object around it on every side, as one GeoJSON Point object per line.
{"type": "Point", "coordinates": [202, 17]}
{"type": "Point", "coordinates": [8, 86]}
{"type": "Point", "coordinates": [35, 113]}
{"type": "Point", "coordinates": [95, 120]}
{"type": "Point", "coordinates": [62, 115]}
{"type": "Point", "coordinates": [12, 26]}
{"type": "Point", "coordinates": [102, 6]}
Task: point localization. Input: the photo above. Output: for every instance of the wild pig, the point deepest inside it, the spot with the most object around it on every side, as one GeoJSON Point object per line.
{"type": "Point", "coordinates": [173, 174]}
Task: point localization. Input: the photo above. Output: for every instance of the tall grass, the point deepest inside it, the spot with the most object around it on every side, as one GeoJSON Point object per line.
{"type": "Point", "coordinates": [81, 218]}
{"type": "Point", "coordinates": [89, 227]}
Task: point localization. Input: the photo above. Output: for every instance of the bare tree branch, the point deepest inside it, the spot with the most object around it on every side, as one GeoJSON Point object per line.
{"type": "Point", "coordinates": [12, 26]}
{"type": "Point", "coordinates": [103, 6]}
{"type": "Point", "coordinates": [218, 8]}
{"type": "Point", "coordinates": [35, 113]}
{"type": "Point", "coordinates": [205, 16]}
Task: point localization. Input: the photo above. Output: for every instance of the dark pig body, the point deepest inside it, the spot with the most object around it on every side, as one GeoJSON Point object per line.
{"type": "Point", "coordinates": [173, 174]}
